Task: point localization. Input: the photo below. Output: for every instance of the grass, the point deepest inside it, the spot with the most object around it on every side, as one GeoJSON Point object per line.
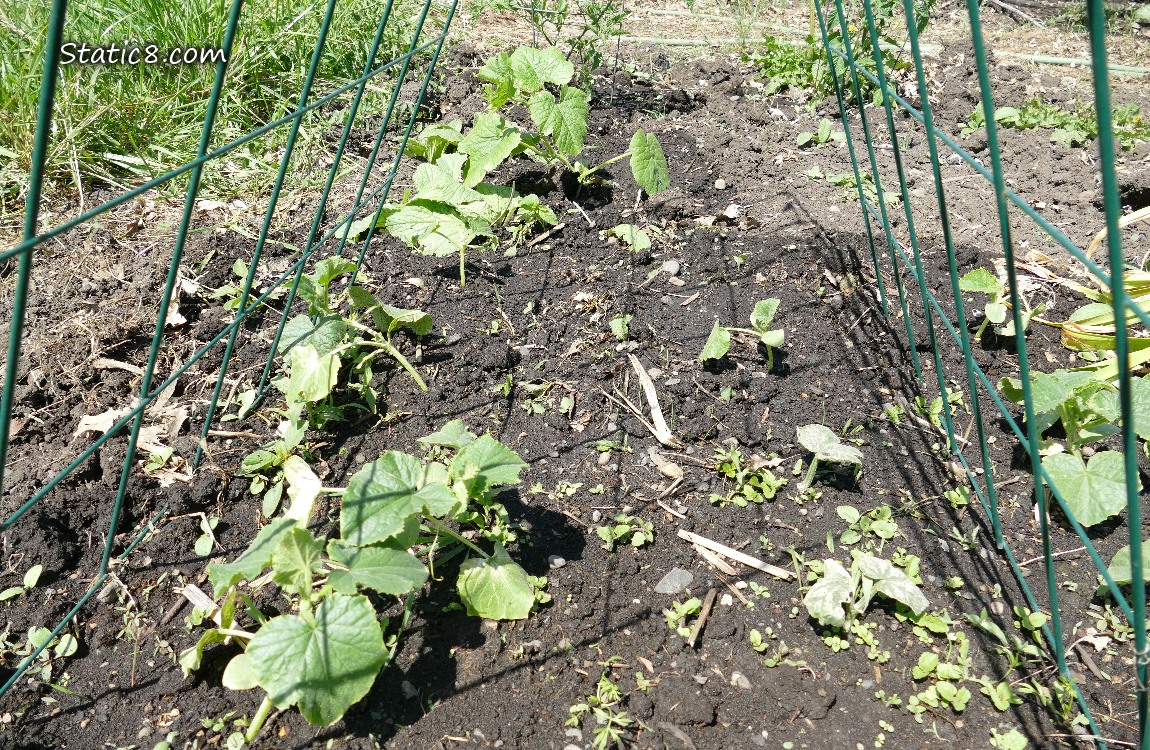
{"type": "Point", "coordinates": [118, 125]}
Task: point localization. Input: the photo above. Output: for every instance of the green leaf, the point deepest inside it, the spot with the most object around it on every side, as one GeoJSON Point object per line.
{"type": "Point", "coordinates": [980, 280]}
{"type": "Point", "coordinates": [824, 131]}
{"type": "Point", "coordinates": [764, 314]}
{"type": "Point", "coordinates": [312, 376]}
{"type": "Point", "coordinates": [1093, 492]}
{"type": "Point", "coordinates": [718, 343]}
{"type": "Point", "coordinates": [824, 601]}
{"type": "Point", "coordinates": [382, 495]}
{"type": "Point", "coordinates": [239, 674]}
{"type": "Point", "coordinates": [254, 559]}
{"type": "Point", "coordinates": [496, 588]}
{"type": "Point", "coordinates": [1108, 405]}
{"type": "Point", "coordinates": [532, 68]}
{"type": "Point", "coordinates": [324, 335]}
{"type": "Point", "coordinates": [485, 462]}
{"type": "Point", "coordinates": [635, 237]}
{"type": "Point", "coordinates": [927, 663]}
{"type": "Point", "coordinates": [432, 227]}
{"type": "Point", "coordinates": [434, 140]}
{"type": "Point", "coordinates": [892, 582]}
{"type": "Point", "coordinates": [491, 140]}
{"type": "Point", "coordinates": [32, 576]}
{"type": "Point", "coordinates": [454, 434]}
{"type": "Point", "coordinates": [648, 164]}
{"type": "Point", "coordinates": [323, 664]}
{"type": "Point", "coordinates": [497, 71]}
{"type": "Point", "coordinates": [995, 312]}
{"type": "Point", "coordinates": [296, 557]}
{"type": "Point", "coordinates": [191, 658]}
{"type": "Point", "coordinates": [12, 592]}
{"type": "Point", "coordinates": [1120, 568]}
{"type": "Point", "coordinates": [848, 513]}
{"type": "Point", "coordinates": [389, 319]}
{"type": "Point", "coordinates": [386, 569]}
{"type": "Point", "coordinates": [827, 446]}
{"type": "Point", "coordinates": [564, 121]}
{"type": "Point", "coordinates": [805, 138]}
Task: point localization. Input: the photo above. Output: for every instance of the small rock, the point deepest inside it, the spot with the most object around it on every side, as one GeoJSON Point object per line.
{"type": "Point", "coordinates": [604, 458]}
{"type": "Point", "coordinates": [675, 582]}
{"type": "Point", "coordinates": [701, 679]}
{"type": "Point", "coordinates": [409, 690]}
{"type": "Point", "coordinates": [738, 679]}
{"type": "Point", "coordinates": [574, 733]}
{"type": "Point", "coordinates": [671, 267]}
{"type": "Point", "coordinates": [726, 600]}
{"type": "Point", "coordinates": [997, 607]}
{"type": "Point", "coordinates": [665, 299]}
{"type": "Point", "coordinates": [572, 747]}
{"type": "Point", "coordinates": [555, 562]}
{"type": "Point", "coordinates": [720, 184]}
{"type": "Point", "coordinates": [595, 516]}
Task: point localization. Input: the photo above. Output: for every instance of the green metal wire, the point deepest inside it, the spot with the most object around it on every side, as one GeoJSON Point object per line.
{"type": "Point", "coordinates": [31, 220]}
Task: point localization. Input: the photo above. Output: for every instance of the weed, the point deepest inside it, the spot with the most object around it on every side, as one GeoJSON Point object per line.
{"type": "Point", "coordinates": [753, 480]}
{"type": "Point", "coordinates": [1070, 127]}
{"type": "Point", "coordinates": [612, 725]}
{"type": "Point", "coordinates": [679, 613]}
{"type": "Point", "coordinates": [625, 529]}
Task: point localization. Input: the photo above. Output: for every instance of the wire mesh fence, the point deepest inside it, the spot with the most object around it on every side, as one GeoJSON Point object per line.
{"type": "Point", "coordinates": [400, 68]}
{"type": "Point", "coordinates": [857, 55]}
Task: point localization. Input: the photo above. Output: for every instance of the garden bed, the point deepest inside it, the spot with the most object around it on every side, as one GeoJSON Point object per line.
{"type": "Point", "coordinates": [526, 350]}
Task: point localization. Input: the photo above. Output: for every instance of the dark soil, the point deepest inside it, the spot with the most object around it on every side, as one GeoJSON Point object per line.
{"type": "Point", "coordinates": [462, 682]}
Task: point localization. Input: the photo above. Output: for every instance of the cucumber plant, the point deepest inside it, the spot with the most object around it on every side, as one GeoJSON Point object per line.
{"type": "Point", "coordinates": [719, 341]}
{"type": "Point", "coordinates": [326, 658]}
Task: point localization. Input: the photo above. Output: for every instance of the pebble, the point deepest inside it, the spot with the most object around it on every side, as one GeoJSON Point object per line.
{"type": "Point", "coordinates": [555, 562]}
{"type": "Point", "coordinates": [738, 679]}
{"type": "Point", "coordinates": [574, 733]}
{"type": "Point", "coordinates": [409, 690]}
{"type": "Point", "coordinates": [720, 184]}
{"type": "Point", "coordinates": [604, 458]}
{"type": "Point", "coordinates": [665, 299]}
{"type": "Point", "coordinates": [726, 600]}
{"type": "Point", "coordinates": [701, 679]}
{"type": "Point", "coordinates": [675, 582]}
{"type": "Point", "coordinates": [595, 516]}
{"type": "Point", "coordinates": [671, 267]}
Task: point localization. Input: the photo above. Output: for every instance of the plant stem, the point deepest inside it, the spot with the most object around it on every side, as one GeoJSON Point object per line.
{"type": "Point", "coordinates": [439, 526]}
{"type": "Point", "coordinates": [610, 161]}
{"type": "Point", "coordinates": [258, 720]}
{"type": "Point", "coordinates": [389, 348]}
{"type": "Point", "coordinates": [810, 477]}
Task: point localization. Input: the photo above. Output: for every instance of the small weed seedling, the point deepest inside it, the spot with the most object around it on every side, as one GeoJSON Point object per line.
{"type": "Point", "coordinates": [680, 613]}
{"type": "Point", "coordinates": [823, 135]}
{"type": "Point", "coordinates": [753, 481]}
{"type": "Point", "coordinates": [995, 310]}
{"type": "Point", "coordinates": [611, 724]}
{"type": "Point", "coordinates": [877, 523]}
{"type": "Point", "coordinates": [1069, 127]}
{"type": "Point", "coordinates": [719, 342]}
{"type": "Point", "coordinates": [826, 446]}
{"type": "Point", "coordinates": [635, 238]}
{"type": "Point", "coordinates": [31, 578]}
{"type": "Point", "coordinates": [625, 529]}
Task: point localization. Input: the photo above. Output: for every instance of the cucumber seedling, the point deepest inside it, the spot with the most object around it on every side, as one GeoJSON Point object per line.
{"type": "Point", "coordinates": [719, 342]}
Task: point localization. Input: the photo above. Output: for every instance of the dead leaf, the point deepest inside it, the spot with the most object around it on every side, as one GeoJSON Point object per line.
{"type": "Point", "coordinates": [100, 423]}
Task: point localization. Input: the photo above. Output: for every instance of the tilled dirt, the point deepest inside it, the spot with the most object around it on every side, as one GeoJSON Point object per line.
{"type": "Point", "coordinates": [740, 223]}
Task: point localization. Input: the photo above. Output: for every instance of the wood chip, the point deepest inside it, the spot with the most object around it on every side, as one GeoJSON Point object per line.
{"type": "Point", "coordinates": [735, 555]}
{"type": "Point", "coordinates": [715, 560]}
{"type": "Point", "coordinates": [708, 603]}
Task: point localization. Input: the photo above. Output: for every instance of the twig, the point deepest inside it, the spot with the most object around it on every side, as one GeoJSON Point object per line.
{"type": "Point", "coordinates": [1056, 554]}
{"type": "Point", "coordinates": [667, 508]}
{"type": "Point", "coordinates": [1017, 11]}
{"type": "Point", "coordinates": [708, 603]}
{"type": "Point", "coordinates": [546, 234]}
{"type": "Point", "coordinates": [590, 223]}
{"type": "Point", "coordinates": [715, 560]}
{"type": "Point", "coordinates": [735, 555]}
{"type": "Point", "coordinates": [575, 518]}
{"type": "Point", "coordinates": [734, 590]}
{"type": "Point", "coordinates": [229, 434]}
{"type": "Point", "coordinates": [1090, 665]}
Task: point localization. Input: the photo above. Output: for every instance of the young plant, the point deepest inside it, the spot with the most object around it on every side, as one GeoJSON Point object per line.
{"type": "Point", "coordinates": [611, 724]}
{"type": "Point", "coordinates": [823, 135]}
{"type": "Point", "coordinates": [32, 577]}
{"type": "Point", "coordinates": [679, 613]}
{"type": "Point", "coordinates": [753, 481]}
{"type": "Point", "coordinates": [841, 596]}
{"type": "Point", "coordinates": [625, 529]}
{"type": "Point", "coordinates": [826, 446]}
{"type": "Point", "coordinates": [522, 78]}
{"type": "Point", "coordinates": [719, 342]}
{"type": "Point", "coordinates": [995, 310]}
{"type": "Point", "coordinates": [326, 658]}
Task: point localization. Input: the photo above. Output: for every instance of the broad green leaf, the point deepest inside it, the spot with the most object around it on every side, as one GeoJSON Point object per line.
{"type": "Point", "coordinates": [893, 582]}
{"type": "Point", "coordinates": [1120, 567]}
{"type": "Point", "coordinates": [254, 559]}
{"type": "Point", "coordinates": [328, 269]}
{"type": "Point", "coordinates": [848, 513]}
{"type": "Point", "coordinates": [805, 138]}
{"type": "Point", "coordinates": [313, 286]}
{"type": "Point", "coordinates": [239, 674]}
{"type": "Point", "coordinates": [432, 227]}
{"type": "Point", "coordinates": [382, 495]}
{"type": "Point", "coordinates": [324, 335]}
{"type": "Point", "coordinates": [389, 319]}
{"type": "Point", "coordinates": [648, 164]}
{"type": "Point", "coordinates": [565, 121]}
{"type": "Point", "coordinates": [14, 591]}
{"type": "Point", "coordinates": [388, 570]}
{"type": "Point", "coordinates": [635, 237]}
{"type": "Point", "coordinates": [443, 181]}
{"type": "Point", "coordinates": [434, 140]}
{"type": "Point", "coordinates": [1142, 14]}
{"type": "Point", "coordinates": [191, 658]}
{"type": "Point", "coordinates": [825, 600]}
{"type": "Point", "coordinates": [32, 576]}
{"type": "Point", "coordinates": [498, 72]}
{"type": "Point", "coordinates": [486, 462]}
{"type": "Point", "coordinates": [764, 314]}
{"type": "Point", "coordinates": [532, 68]}
{"type": "Point", "coordinates": [323, 664]}
{"type": "Point", "coordinates": [312, 376]}
{"type": "Point", "coordinates": [995, 312]}
{"type": "Point", "coordinates": [827, 446]}
{"type": "Point", "coordinates": [491, 140]}
{"type": "Point", "coordinates": [454, 434]}
{"type": "Point", "coordinates": [496, 588]}
{"type": "Point", "coordinates": [303, 487]}
{"type": "Point", "coordinates": [824, 131]}
{"type": "Point", "coordinates": [980, 280]}
{"type": "Point", "coordinates": [774, 339]}
{"type": "Point", "coordinates": [927, 663]}
{"type": "Point", "coordinates": [295, 558]}
{"type": "Point", "coordinates": [718, 343]}
{"type": "Point", "coordinates": [1093, 492]}
{"type": "Point", "coordinates": [1108, 406]}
